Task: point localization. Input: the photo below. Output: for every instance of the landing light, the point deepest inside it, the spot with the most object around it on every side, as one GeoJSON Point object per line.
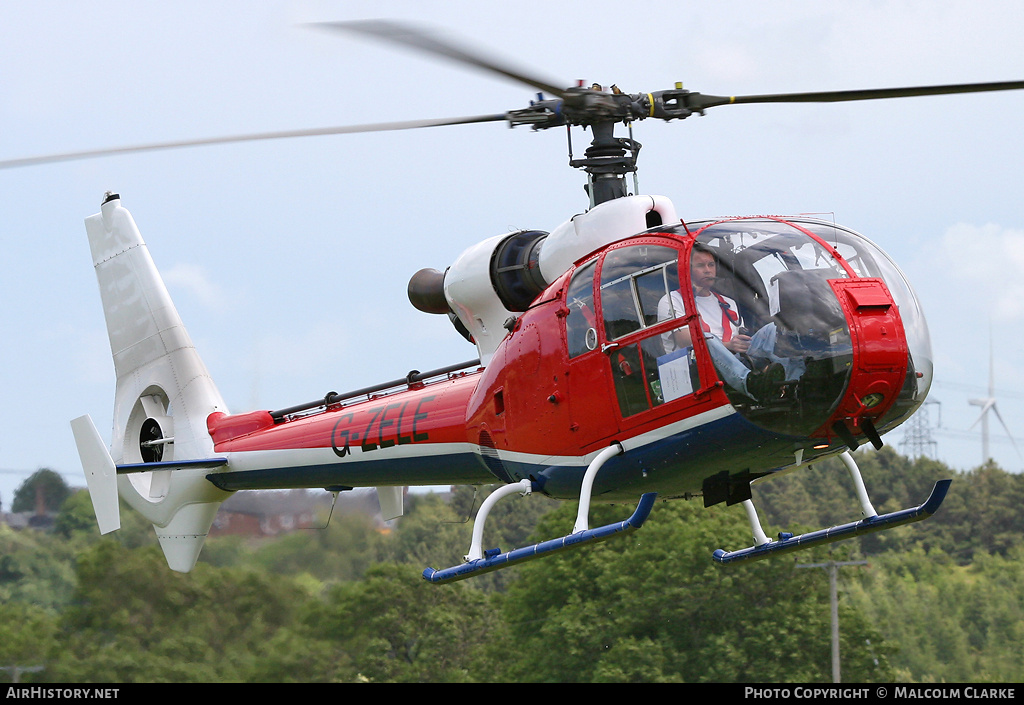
{"type": "Point", "coordinates": [872, 400]}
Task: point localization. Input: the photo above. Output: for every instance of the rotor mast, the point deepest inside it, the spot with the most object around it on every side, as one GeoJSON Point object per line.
{"type": "Point", "coordinates": [606, 162]}
{"type": "Point", "coordinates": [608, 159]}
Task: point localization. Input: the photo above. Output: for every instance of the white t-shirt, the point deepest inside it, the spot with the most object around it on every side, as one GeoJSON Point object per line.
{"type": "Point", "coordinates": [707, 306]}
{"type": "Point", "coordinates": [664, 313]}
{"type": "Point", "coordinates": [710, 311]}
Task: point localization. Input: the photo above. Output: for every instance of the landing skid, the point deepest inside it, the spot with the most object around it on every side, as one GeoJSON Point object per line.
{"type": "Point", "coordinates": [478, 561]}
{"type": "Point", "coordinates": [764, 547]}
{"type": "Point", "coordinates": [494, 561]}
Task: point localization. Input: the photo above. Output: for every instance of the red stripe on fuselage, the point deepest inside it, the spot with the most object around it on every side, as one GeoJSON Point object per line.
{"type": "Point", "coordinates": [424, 413]}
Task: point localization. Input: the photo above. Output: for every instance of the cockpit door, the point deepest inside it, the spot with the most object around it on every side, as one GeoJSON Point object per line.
{"type": "Point", "coordinates": [644, 330]}
{"type": "Point", "coordinates": [591, 420]}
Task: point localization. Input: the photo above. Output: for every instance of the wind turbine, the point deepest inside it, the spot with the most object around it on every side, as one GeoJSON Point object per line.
{"type": "Point", "coordinates": [989, 404]}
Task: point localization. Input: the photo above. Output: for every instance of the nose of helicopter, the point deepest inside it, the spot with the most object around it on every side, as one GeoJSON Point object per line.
{"type": "Point", "coordinates": [832, 319]}
{"type": "Point", "coordinates": [879, 363]}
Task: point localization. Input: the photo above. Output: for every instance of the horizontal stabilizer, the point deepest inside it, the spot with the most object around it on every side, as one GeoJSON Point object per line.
{"type": "Point", "coordinates": [521, 555]}
{"type": "Point", "coordinates": [128, 468]}
{"type": "Point", "coordinates": [100, 473]}
{"type": "Point", "coordinates": [787, 543]}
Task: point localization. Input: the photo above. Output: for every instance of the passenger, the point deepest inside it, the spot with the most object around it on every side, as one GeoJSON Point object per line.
{"type": "Point", "coordinates": [720, 321]}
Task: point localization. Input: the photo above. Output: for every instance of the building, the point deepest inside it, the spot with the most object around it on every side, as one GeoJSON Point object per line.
{"type": "Point", "coordinates": [271, 513]}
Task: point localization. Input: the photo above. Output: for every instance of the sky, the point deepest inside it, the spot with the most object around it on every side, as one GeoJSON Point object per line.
{"type": "Point", "coordinates": [289, 260]}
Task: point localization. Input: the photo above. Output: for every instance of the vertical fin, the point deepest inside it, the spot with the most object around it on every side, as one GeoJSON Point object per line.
{"type": "Point", "coordinates": [392, 502]}
{"type": "Point", "coordinates": [163, 397]}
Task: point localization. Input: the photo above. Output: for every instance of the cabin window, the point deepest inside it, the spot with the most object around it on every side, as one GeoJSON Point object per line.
{"type": "Point", "coordinates": [634, 280]}
{"type": "Point", "coordinates": [581, 323]}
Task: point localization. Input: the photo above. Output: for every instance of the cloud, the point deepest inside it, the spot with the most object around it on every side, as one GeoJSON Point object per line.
{"type": "Point", "coordinates": [194, 280]}
{"type": "Point", "coordinates": [985, 263]}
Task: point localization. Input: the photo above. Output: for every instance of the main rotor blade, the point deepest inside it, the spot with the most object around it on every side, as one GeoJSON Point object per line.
{"type": "Point", "coordinates": [418, 38]}
{"type": "Point", "coordinates": [252, 137]}
{"type": "Point", "coordinates": [699, 101]}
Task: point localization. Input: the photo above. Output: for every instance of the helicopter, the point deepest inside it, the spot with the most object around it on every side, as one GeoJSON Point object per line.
{"type": "Point", "coordinates": [574, 393]}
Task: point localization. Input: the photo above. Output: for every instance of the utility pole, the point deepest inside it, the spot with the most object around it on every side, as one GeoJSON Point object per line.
{"type": "Point", "coordinates": [833, 580]}
{"type": "Point", "coordinates": [16, 671]}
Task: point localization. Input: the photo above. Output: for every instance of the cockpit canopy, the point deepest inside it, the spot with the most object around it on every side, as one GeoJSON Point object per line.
{"type": "Point", "coordinates": [771, 284]}
{"type": "Point", "coordinates": [777, 271]}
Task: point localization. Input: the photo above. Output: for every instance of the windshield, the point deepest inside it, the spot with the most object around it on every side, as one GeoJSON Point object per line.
{"type": "Point", "coordinates": [777, 275]}
{"type": "Point", "coordinates": [868, 260]}
{"type": "Point", "coordinates": [789, 321]}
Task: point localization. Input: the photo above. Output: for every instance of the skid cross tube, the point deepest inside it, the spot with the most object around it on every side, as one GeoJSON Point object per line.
{"type": "Point", "coordinates": [476, 552]}
{"type": "Point", "coordinates": [478, 561]}
{"type": "Point", "coordinates": [583, 514]}
{"type": "Point", "coordinates": [858, 482]}
{"type": "Point", "coordinates": [495, 561]}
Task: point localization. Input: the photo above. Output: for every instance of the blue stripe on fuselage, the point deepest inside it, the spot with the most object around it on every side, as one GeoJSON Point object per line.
{"type": "Point", "coordinates": [673, 465]}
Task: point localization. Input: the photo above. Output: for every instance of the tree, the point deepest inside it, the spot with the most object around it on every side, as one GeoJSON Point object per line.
{"type": "Point", "coordinates": [341, 550]}
{"type": "Point", "coordinates": [952, 623]}
{"type": "Point", "coordinates": [655, 607]}
{"type": "Point", "coordinates": [35, 568]}
{"type": "Point", "coordinates": [26, 638]}
{"type": "Point", "coordinates": [133, 620]}
{"type": "Point", "coordinates": [394, 627]}
{"type": "Point", "coordinates": [43, 484]}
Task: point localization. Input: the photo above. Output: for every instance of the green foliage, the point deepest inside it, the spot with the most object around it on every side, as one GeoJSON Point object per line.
{"type": "Point", "coordinates": [955, 623]}
{"type": "Point", "coordinates": [658, 594]}
{"type": "Point", "coordinates": [27, 636]}
{"type": "Point", "coordinates": [44, 482]}
{"type": "Point", "coordinates": [939, 600]}
{"type": "Point", "coordinates": [76, 517]}
{"type": "Point", "coordinates": [430, 532]}
{"type": "Point", "coordinates": [35, 569]}
{"type": "Point", "coordinates": [133, 620]}
{"type": "Point", "coordinates": [981, 515]}
{"type": "Point", "coordinates": [397, 628]}
{"type": "Point", "coordinates": [342, 550]}
{"type": "Point", "coordinates": [76, 522]}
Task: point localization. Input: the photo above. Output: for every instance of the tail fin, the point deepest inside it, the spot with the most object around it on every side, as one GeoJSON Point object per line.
{"type": "Point", "coordinates": [163, 397]}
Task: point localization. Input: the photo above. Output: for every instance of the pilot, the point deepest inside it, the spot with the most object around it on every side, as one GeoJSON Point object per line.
{"type": "Point", "coordinates": [720, 321]}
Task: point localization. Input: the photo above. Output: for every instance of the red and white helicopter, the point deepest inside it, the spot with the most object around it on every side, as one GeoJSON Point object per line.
{"type": "Point", "coordinates": [597, 377]}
